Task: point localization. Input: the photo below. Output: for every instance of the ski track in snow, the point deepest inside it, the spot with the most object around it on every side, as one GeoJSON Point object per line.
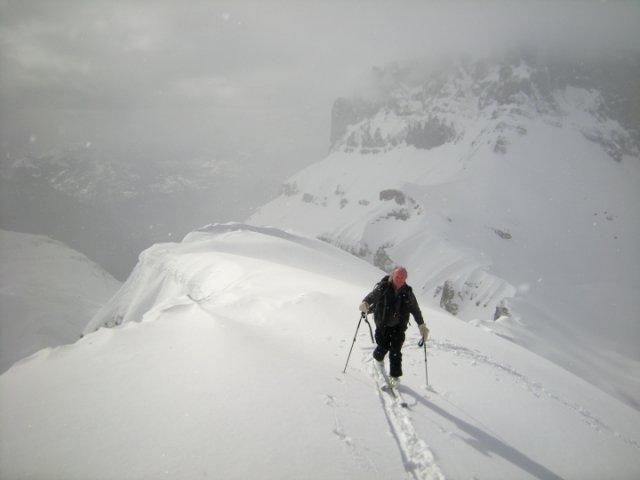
{"type": "Point", "coordinates": [416, 455]}
{"type": "Point", "coordinates": [535, 388]}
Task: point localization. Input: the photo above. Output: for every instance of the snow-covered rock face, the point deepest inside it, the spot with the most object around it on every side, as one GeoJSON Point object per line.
{"type": "Point", "coordinates": [509, 190]}
{"type": "Point", "coordinates": [442, 105]}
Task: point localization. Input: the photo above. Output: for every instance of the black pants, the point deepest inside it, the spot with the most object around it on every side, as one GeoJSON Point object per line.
{"type": "Point", "coordinates": [390, 339]}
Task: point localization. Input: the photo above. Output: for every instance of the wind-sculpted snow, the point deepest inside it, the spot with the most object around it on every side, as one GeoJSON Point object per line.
{"type": "Point", "coordinates": [185, 269]}
{"type": "Point", "coordinates": [226, 361]}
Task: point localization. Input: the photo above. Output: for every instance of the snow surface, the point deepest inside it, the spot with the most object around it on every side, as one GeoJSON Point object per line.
{"type": "Point", "coordinates": [47, 292]}
{"type": "Point", "coordinates": [228, 363]}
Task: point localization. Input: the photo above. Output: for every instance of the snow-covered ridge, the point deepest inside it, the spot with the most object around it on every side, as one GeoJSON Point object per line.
{"type": "Point", "coordinates": [230, 357]}
{"type": "Point", "coordinates": [164, 270]}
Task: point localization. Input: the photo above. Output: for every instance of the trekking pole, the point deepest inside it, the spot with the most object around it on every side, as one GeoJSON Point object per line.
{"type": "Point", "coordinates": [354, 341]}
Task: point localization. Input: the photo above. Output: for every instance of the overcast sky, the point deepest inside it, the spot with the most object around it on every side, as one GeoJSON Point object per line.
{"type": "Point", "coordinates": [253, 78]}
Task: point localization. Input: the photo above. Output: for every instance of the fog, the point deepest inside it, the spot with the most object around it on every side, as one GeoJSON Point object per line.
{"type": "Point", "coordinates": [257, 79]}
{"type": "Point", "coordinates": [250, 84]}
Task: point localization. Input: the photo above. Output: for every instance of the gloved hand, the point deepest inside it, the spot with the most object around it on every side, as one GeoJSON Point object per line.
{"type": "Point", "coordinates": [364, 307]}
{"type": "Point", "coordinates": [424, 331]}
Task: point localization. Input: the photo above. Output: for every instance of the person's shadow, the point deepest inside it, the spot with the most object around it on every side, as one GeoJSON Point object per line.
{"type": "Point", "coordinates": [484, 442]}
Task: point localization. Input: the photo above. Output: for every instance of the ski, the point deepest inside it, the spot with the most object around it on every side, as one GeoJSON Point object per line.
{"type": "Point", "coordinates": [394, 393]}
{"type": "Point", "coordinates": [388, 387]}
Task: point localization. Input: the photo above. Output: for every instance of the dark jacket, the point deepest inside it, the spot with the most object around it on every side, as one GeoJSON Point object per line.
{"type": "Point", "coordinates": [391, 308]}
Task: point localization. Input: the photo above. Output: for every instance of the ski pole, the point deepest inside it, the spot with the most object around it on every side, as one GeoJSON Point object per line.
{"type": "Point", "coordinates": [354, 341]}
{"type": "Point", "coordinates": [426, 366]}
{"type": "Point", "coordinates": [370, 331]}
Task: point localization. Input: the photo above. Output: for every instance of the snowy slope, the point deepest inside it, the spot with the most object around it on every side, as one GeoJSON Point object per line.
{"type": "Point", "coordinates": [516, 199]}
{"type": "Point", "coordinates": [228, 364]}
{"type": "Point", "coordinates": [47, 291]}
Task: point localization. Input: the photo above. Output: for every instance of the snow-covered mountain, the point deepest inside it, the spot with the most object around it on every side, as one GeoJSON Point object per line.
{"type": "Point", "coordinates": [510, 190]}
{"type": "Point", "coordinates": [111, 207]}
{"type": "Point", "coordinates": [228, 364]}
{"type": "Point", "coordinates": [47, 292]}
{"type": "Point", "coordinates": [93, 177]}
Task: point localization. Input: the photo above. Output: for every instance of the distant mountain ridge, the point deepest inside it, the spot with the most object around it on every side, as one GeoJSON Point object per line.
{"type": "Point", "coordinates": [100, 179]}
{"type": "Point", "coordinates": [111, 208]}
{"type": "Point", "coordinates": [508, 187]}
{"type": "Point", "coordinates": [429, 112]}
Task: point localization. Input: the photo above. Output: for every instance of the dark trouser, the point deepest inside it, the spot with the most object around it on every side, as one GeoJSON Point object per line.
{"type": "Point", "coordinates": [390, 339]}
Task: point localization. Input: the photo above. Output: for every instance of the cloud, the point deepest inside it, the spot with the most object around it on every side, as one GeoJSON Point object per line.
{"type": "Point", "coordinates": [205, 89]}
{"type": "Point", "coordinates": [262, 59]}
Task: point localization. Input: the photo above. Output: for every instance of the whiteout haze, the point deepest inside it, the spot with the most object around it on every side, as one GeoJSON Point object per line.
{"type": "Point", "coordinates": [508, 188]}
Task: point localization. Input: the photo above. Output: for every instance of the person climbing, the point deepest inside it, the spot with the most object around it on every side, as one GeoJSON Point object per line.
{"type": "Point", "coordinates": [392, 300]}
